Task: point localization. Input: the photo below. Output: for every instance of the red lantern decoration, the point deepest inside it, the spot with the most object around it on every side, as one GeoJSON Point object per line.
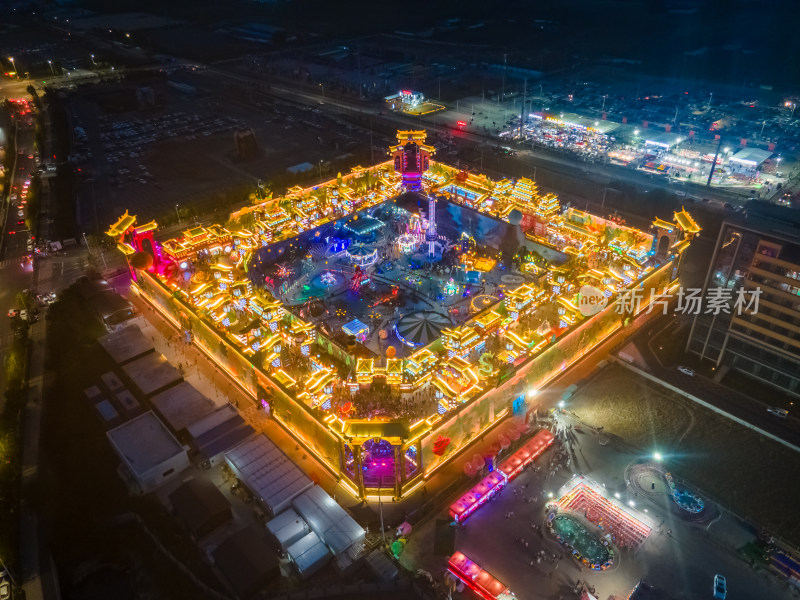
{"type": "Point", "coordinates": [440, 445]}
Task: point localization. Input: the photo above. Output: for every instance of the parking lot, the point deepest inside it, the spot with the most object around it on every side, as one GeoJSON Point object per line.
{"type": "Point", "coordinates": [164, 163]}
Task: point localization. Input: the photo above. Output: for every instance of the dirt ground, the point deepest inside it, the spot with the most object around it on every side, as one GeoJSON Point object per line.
{"type": "Point", "coordinates": [739, 468]}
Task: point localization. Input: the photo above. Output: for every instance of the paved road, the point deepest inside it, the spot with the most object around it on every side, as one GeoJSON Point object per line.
{"type": "Point", "coordinates": [752, 410]}
{"type": "Point", "coordinates": [681, 564]}
{"type": "Point", "coordinates": [527, 160]}
{"type": "Point", "coordinates": [14, 277]}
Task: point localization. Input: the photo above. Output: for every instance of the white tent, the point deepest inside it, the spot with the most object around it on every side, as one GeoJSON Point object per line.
{"type": "Point", "coordinates": [309, 554]}
{"type": "Point", "coordinates": [287, 528]}
{"type": "Point", "coordinates": [267, 472]}
{"type": "Point", "coordinates": [337, 529]}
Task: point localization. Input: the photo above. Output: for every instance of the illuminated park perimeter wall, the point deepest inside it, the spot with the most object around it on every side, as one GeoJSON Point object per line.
{"type": "Point", "coordinates": [460, 428]}
{"type": "Point", "coordinates": [467, 423]}
{"type": "Point", "coordinates": [293, 415]}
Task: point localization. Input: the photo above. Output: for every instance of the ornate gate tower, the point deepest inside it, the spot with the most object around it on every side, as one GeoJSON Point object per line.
{"type": "Point", "coordinates": [411, 157]}
{"type": "Point", "coordinates": [132, 238]}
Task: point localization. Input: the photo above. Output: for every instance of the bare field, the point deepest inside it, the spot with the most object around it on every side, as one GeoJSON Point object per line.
{"type": "Point", "coordinates": [741, 469]}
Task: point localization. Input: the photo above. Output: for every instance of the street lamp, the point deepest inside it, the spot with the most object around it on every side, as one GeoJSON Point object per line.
{"type": "Point", "coordinates": [11, 58]}
{"type": "Point", "coordinates": [178, 213]}
{"type": "Point", "coordinates": [50, 62]}
{"type": "Point", "coordinates": [94, 63]}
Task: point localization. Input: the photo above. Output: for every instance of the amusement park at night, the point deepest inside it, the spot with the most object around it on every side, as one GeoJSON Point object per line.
{"type": "Point", "coordinates": [399, 301]}
{"type": "Point", "coordinates": [392, 316]}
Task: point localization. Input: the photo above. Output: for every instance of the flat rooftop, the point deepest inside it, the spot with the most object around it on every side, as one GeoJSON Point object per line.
{"type": "Point", "coordinates": [182, 405]}
{"type": "Point", "coordinates": [152, 373]}
{"type": "Point", "coordinates": [144, 443]}
{"type": "Point", "coordinates": [126, 344]}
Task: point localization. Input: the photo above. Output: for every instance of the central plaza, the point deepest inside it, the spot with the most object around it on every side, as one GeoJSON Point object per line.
{"type": "Point", "coordinates": [391, 316]}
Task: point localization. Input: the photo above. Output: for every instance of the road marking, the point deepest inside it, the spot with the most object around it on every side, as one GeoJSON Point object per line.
{"type": "Point", "coordinates": [7, 262]}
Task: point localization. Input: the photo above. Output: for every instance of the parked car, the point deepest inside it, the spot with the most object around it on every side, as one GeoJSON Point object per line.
{"type": "Point", "coordinates": [778, 412]}
{"type": "Point", "coordinates": [23, 314]}
{"type": "Point", "coordinates": [12, 312]}
{"type": "Point", "coordinates": [720, 587]}
{"type": "Point", "coordinates": [5, 590]}
{"type": "Point", "coordinates": [686, 371]}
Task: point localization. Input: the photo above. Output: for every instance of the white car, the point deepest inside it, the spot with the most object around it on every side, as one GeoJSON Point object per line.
{"type": "Point", "coordinates": [23, 314]}
{"type": "Point", "coordinates": [686, 371]}
{"type": "Point", "coordinates": [778, 412]}
{"type": "Point", "coordinates": [5, 590]}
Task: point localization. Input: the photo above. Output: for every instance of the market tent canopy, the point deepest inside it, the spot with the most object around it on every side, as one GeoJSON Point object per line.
{"type": "Point", "coordinates": [751, 157]}
{"type": "Point", "coordinates": [662, 139]}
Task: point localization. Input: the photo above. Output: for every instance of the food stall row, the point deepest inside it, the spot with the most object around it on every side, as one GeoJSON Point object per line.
{"type": "Point", "coordinates": [487, 487]}
{"type": "Point", "coordinates": [477, 579]}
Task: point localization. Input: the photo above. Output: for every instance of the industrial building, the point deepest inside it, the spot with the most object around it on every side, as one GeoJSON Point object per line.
{"type": "Point", "coordinates": [150, 454]}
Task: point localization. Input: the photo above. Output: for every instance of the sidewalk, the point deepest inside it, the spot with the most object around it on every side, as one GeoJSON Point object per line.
{"type": "Point", "coordinates": [218, 386]}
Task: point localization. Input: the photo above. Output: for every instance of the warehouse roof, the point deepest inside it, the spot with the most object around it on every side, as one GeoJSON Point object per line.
{"type": "Point", "coordinates": [126, 344]}
{"type": "Point", "coordinates": [181, 405]}
{"type": "Point", "coordinates": [152, 373]}
{"type": "Point", "coordinates": [337, 529]}
{"type": "Point", "coordinates": [144, 443]}
{"type": "Point", "coordinates": [267, 472]}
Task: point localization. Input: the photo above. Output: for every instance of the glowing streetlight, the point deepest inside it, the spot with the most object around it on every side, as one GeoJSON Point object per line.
{"type": "Point", "coordinates": [635, 132]}
{"type": "Point", "coordinates": [50, 62]}
{"type": "Point", "coordinates": [11, 58]}
{"type": "Point", "coordinates": [94, 63]}
{"type": "Point", "coordinates": [178, 213]}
